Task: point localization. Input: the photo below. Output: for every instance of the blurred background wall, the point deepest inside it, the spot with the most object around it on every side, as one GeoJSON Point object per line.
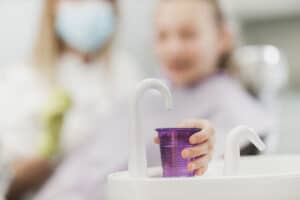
{"type": "Point", "coordinates": [283, 33]}
{"type": "Point", "coordinates": [273, 22]}
{"type": "Point", "coordinates": [18, 20]}
{"type": "Point", "coordinates": [278, 23]}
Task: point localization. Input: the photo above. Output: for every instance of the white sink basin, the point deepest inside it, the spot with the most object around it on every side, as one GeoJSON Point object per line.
{"type": "Point", "coordinates": [250, 178]}
{"type": "Point", "coordinates": [259, 178]}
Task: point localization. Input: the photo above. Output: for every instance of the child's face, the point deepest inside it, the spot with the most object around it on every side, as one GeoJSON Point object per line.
{"type": "Point", "coordinates": [188, 40]}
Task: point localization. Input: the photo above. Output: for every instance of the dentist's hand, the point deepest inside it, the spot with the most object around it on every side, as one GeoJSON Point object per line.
{"type": "Point", "coordinates": [204, 141]}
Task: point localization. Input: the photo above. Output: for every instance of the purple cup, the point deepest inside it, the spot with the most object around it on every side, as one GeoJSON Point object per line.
{"type": "Point", "coordinates": [172, 142]}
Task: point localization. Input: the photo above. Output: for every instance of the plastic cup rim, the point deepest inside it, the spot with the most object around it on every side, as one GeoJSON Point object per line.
{"type": "Point", "coordinates": [178, 129]}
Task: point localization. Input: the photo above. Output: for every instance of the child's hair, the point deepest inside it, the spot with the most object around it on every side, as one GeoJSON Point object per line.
{"type": "Point", "coordinates": [226, 60]}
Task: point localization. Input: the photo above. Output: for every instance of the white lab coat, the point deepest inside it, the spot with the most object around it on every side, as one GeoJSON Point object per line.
{"type": "Point", "coordinates": [94, 89]}
{"type": "Point", "coordinates": [219, 99]}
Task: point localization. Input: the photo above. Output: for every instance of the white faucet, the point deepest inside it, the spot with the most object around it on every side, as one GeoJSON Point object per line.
{"type": "Point", "coordinates": [137, 165]}
{"type": "Point", "coordinates": [232, 151]}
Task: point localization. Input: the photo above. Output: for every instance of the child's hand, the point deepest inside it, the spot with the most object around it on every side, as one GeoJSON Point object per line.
{"type": "Point", "coordinates": [205, 141]}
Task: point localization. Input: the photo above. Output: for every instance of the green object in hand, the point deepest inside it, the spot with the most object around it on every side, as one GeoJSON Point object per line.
{"type": "Point", "coordinates": [52, 119]}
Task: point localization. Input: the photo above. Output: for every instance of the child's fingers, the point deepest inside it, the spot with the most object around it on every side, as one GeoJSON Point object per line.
{"type": "Point", "coordinates": [196, 151]}
{"type": "Point", "coordinates": [156, 140]}
{"type": "Point", "coordinates": [199, 137]}
{"type": "Point", "coordinates": [207, 130]}
{"type": "Point", "coordinates": [199, 163]}
{"type": "Point", "coordinates": [201, 171]}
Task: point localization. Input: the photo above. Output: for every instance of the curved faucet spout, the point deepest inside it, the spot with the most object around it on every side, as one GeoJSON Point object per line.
{"type": "Point", "coordinates": [232, 151]}
{"type": "Point", "coordinates": [137, 165]}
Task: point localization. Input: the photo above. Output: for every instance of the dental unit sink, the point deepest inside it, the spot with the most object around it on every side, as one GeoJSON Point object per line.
{"type": "Point", "coordinates": [234, 178]}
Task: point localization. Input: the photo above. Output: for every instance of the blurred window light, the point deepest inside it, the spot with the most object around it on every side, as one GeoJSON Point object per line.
{"type": "Point", "coordinates": [271, 55]}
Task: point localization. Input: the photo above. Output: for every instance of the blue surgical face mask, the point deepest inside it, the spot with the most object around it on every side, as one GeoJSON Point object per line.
{"type": "Point", "coordinates": [85, 26]}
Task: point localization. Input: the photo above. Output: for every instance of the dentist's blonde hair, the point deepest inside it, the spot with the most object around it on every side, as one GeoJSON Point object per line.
{"type": "Point", "coordinates": [48, 46]}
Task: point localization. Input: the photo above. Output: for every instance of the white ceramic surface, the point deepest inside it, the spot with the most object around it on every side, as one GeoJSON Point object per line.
{"type": "Point", "coordinates": [259, 178]}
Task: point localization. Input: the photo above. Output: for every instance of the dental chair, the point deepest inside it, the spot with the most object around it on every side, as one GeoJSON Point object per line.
{"type": "Point", "coordinates": [263, 72]}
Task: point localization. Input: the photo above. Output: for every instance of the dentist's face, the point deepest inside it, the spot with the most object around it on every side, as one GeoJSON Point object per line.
{"type": "Point", "coordinates": [188, 40]}
{"type": "Point", "coordinates": [85, 26]}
